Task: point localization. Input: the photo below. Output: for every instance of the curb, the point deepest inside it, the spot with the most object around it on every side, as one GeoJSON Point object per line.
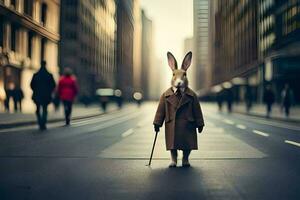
{"type": "Point", "coordinates": [34, 122]}
{"type": "Point", "coordinates": [273, 118]}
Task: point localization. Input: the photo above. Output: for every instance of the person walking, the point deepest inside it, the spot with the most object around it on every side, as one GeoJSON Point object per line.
{"type": "Point", "coordinates": [248, 98]}
{"type": "Point", "coordinates": [67, 91]}
{"type": "Point", "coordinates": [229, 99]}
{"type": "Point", "coordinates": [42, 85]}
{"type": "Point", "coordinates": [287, 99]}
{"type": "Point", "coordinates": [269, 99]}
{"type": "Point", "coordinates": [18, 96]}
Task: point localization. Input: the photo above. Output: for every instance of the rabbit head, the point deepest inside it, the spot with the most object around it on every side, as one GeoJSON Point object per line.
{"type": "Point", "coordinates": [179, 79]}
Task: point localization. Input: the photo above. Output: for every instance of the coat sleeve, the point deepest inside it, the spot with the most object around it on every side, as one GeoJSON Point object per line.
{"type": "Point", "coordinates": [161, 112]}
{"type": "Point", "coordinates": [197, 112]}
{"type": "Point", "coordinates": [32, 83]}
{"type": "Point", "coordinates": [52, 83]}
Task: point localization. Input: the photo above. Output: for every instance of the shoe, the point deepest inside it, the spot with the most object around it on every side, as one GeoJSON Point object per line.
{"type": "Point", "coordinates": [172, 164]}
{"type": "Point", "coordinates": [185, 163]}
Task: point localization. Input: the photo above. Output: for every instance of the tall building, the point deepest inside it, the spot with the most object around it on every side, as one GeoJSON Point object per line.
{"type": "Point", "coordinates": [137, 46]}
{"type": "Point", "coordinates": [88, 42]}
{"type": "Point", "coordinates": [147, 54]}
{"type": "Point", "coordinates": [279, 44]}
{"type": "Point", "coordinates": [29, 33]}
{"type": "Point", "coordinates": [125, 41]}
{"type": "Point", "coordinates": [201, 51]}
{"type": "Point", "coordinates": [236, 46]}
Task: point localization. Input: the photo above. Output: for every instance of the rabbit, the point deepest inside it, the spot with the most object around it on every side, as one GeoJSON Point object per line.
{"type": "Point", "coordinates": [179, 108]}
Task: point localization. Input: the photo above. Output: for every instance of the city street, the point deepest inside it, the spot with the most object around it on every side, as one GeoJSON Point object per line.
{"type": "Point", "coordinates": [104, 157]}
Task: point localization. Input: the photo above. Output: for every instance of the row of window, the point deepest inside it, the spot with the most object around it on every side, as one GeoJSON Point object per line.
{"type": "Point", "coordinates": [15, 40]}
{"type": "Point", "coordinates": [28, 8]}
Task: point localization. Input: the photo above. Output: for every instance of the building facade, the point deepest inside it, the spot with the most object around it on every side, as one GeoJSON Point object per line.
{"type": "Point", "coordinates": [29, 33]}
{"type": "Point", "coordinates": [88, 43]}
{"type": "Point", "coordinates": [201, 51]}
{"type": "Point", "coordinates": [279, 44]}
{"type": "Point", "coordinates": [236, 46]}
{"type": "Point", "coordinates": [124, 51]}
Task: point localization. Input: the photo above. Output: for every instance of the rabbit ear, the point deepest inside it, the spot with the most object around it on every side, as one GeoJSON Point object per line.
{"type": "Point", "coordinates": [186, 61]}
{"type": "Point", "coordinates": [172, 61]}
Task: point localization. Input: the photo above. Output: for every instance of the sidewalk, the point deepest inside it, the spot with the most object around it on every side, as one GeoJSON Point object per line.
{"type": "Point", "coordinates": [8, 120]}
{"type": "Point", "coordinates": [259, 110]}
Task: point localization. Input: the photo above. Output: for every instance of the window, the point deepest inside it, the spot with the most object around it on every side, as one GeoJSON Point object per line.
{"type": "Point", "coordinates": [13, 38]}
{"type": "Point", "coordinates": [13, 3]}
{"type": "Point", "coordinates": [44, 13]}
{"type": "Point", "coordinates": [28, 7]}
{"type": "Point", "coordinates": [29, 46]}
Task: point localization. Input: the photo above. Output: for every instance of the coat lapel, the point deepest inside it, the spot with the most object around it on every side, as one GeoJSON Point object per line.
{"type": "Point", "coordinates": [171, 97]}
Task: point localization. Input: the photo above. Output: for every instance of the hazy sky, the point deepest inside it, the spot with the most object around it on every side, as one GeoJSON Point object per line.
{"type": "Point", "coordinates": [173, 22]}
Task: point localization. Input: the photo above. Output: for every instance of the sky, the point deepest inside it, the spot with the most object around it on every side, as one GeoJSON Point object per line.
{"type": "Point", "coordinates": [173, 22]}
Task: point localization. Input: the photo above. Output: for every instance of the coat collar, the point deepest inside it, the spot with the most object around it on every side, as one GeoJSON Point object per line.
{"type": "Point", "coordinates": [170, 92]}
{"type": "Point", "coordinates": [171, 97]}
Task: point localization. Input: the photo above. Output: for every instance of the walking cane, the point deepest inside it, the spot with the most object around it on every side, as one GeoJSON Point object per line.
{"type": "Point", "coordinates": [156, 133]}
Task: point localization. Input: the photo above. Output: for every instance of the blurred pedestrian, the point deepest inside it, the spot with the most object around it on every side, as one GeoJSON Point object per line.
{"type": "Point", "coordinates": [220, 99]}
{"type": "Point", "coordinates": [67, 90]}
{"type": "Point", "coordinates": [18, 96]}
{"type": "Point", "coordinates": [104, 101]}
{"type": "Point", "coordinates": [269, 99]}
{"type": "Point", "coordinates": [138, 97]}
{"type": "Point", "coordinates": [119, 98]}
{"type": "Point", "coordinates": [9, 94]}
{"type": "Point", "coordinates": [229, 99]}
{"type": "Point", "coordinates": [248, 98]}
{"type": "Point", "coordinates": [287, 99]}
{"type": "Point", "coordinates": [42, 85]}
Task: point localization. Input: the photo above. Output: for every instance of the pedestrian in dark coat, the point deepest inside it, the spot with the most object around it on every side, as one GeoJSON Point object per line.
{"type": "Point", "coordinates": [269, 99]}
{"type": "Point", "coordinates": [67, 91]}
{"type": "Point", "coordinates": [18, 96]}
{"type": "Point", "coordinates": [179, 108]}
{"type": "Point", "coordinates": [287, 99]}
{"type": "Point", "coordinates": [42, 85]}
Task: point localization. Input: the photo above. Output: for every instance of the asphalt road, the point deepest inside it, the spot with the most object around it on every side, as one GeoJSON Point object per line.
{"type": "Point", "coordinates": [239, 157]}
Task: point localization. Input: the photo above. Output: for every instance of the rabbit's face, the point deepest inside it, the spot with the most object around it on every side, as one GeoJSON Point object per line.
{"type": "Point", "coordinates": [179, 79]}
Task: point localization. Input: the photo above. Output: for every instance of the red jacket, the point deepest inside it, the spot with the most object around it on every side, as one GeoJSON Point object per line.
{"type": "Point", "coordinates": [67, 88]}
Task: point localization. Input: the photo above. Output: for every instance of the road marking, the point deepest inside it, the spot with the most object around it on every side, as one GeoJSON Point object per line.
{"type": "Point", "coordinates": [292, 143]}
{"type": "Point", "coordinates": [261, 133]}
{"type": "Point", "coordinates": [265, 122]}
{"type": "Point", "coordinates": [227, 121]}
{"type": "Point", "coordinates": [240, 126]}
{"type": "Point", "coordinates": [127, 133]}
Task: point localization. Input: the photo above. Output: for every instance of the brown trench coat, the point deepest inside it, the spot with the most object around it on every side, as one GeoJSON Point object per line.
{"type": "Point", "coordinates": [181, 117]}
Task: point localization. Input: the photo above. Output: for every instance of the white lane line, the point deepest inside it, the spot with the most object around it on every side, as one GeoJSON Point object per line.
{"type": "Point", "coordinates": [292, 143]}
{"type": "Point", "coordinates": [261, 133]}
{"type": "Point", "coordinates": [127, 133]}
{"type": "Point", "coordinates": [265, 122]}
{"type": "Point", "coordinates": [240, 126]}
{"type": "Point", "coordinates": [227, 121]}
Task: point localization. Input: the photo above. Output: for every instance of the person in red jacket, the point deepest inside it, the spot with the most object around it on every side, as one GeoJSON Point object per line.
{"type": "Point", "coordinates": [67, 91]}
